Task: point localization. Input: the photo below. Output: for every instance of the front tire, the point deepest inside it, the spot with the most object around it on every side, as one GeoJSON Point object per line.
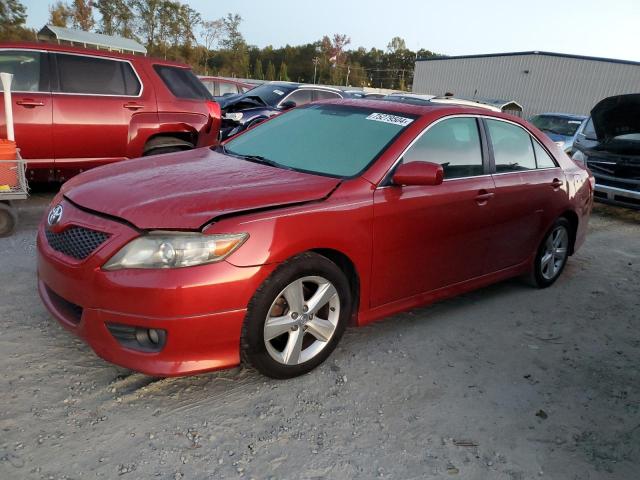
{"type": "Point", "coordinates": [297, 317]}
{"type": "Point", "coordinates": [552, 254]}
{"type": "Point", "coordinates": [8, 219]}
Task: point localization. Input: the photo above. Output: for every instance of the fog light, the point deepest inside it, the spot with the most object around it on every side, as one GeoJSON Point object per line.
{"type": "Point", "coordinates": [154, 337]}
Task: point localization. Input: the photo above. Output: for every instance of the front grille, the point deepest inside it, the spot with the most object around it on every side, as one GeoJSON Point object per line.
{"type": "Point", "coordinates": [76, 242]}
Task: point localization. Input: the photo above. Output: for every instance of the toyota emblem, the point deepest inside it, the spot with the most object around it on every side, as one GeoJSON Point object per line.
{"type": "Point", "coordinates": [55, 215]}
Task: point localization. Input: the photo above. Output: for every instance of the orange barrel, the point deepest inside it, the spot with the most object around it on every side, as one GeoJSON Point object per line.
{"type": "Point", "coordinates": [8, 166]}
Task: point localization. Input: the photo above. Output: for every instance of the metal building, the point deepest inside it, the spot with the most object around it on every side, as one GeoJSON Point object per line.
{"type": "Point", "coordinates": [69, 36]}
{"type": "Point", "coordinates": [539, 81]}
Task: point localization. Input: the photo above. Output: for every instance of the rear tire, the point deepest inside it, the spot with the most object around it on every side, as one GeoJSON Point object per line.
{"type": "Point", "coordinates": [297, 317]}
{"type": "Point", "coordinates": [8, 219]}
{"type": "Point", "coordinates": [552, 255]}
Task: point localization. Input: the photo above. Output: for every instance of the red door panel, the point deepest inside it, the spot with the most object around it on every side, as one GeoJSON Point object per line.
{"type": "Point", "coordinates": [428, 237]}
{"type": "Point", "coordinates": [32, 126]}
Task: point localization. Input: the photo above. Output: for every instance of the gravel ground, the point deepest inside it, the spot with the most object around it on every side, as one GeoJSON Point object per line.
{"type": "Point", "coordinates": [507, 382]}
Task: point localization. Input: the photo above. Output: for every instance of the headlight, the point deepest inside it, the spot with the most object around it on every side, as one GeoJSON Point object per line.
{"type": "Point", "coordinates": [234, 117]}
{"type": "Point", "coordinates": [580, 158]}
{"type": "Point", "coordinates": [175, 250]}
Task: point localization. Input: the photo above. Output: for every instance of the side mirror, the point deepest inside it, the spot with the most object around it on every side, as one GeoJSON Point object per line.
{"type": "Point", "coordinates": [288, 105]}
{"type": "Point", "coordinates": [418, 173]}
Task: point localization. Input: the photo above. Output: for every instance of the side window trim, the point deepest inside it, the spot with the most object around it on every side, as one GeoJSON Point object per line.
{"type": "Point", "coordinates": [531, 138]}
{"type": "Point", "coordinates": [56, 91]}
{"type": "Point", "coordinates": [286, 97]}
{"type": "Point", "coordinates": [485, 148]}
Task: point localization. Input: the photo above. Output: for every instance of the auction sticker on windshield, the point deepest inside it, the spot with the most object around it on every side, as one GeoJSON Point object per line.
{"type": "Point", "coordinates": [393, 119]}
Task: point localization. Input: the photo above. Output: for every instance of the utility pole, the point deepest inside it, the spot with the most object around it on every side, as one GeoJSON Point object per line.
{"type": "Point", "coordinates": [316, 61]}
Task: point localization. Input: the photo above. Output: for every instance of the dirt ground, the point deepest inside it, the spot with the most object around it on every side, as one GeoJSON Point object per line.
{"type": "Point", "coordinates": [507, 382]}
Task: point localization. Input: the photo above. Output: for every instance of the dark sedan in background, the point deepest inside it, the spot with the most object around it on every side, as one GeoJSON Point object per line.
{"type": "Point", "coordinates": [265, 101]}
{"type": "Point", "coordinates": [609, 144]}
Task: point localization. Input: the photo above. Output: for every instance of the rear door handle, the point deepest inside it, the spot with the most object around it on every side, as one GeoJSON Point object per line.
{"type": "Point", "coordinates": [483, 197]}
{"type": "Point", "coordinates": [133, 106]}
{"type": "Point", "coordinates": [28, 103]}
{"type": "Point", "coordinates": [556, 183]}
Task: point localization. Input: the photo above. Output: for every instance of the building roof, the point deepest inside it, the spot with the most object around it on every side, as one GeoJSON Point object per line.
{"type": "Point", "coordinates": [111, 42]}
{"type": "Point", "coordinates": [535, 52]}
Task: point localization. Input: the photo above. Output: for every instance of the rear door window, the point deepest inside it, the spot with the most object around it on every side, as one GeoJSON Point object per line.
{"type": "Point", "coordinates": [228, 89]}
{"type": "Point", "coordinates": [324, 95]}
{"type": "Point", "coordinates": [96, 76]}
{"type": "Point", "coordinates": [300, 97]}
{"type": "Point", "coordinates": [512, 148]}
{"type": "Point", "coordinates": [543, 159]}
{"type": "Point", "coordinates": [454, 144]}
{"type": "Point", "coordinates": [182, 82]}
{"type": "Point", "coordinates": [28, 68]}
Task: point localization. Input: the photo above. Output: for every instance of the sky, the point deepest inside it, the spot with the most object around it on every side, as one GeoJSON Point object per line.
{"type": "Point", "coordinates": [454, 27]}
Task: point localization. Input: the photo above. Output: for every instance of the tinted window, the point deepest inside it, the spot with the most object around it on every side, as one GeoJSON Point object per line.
{"type": "Point", "coordinates": [97, 76]}
{"type": "Point", "coordinates": [454, 144]}
{"type": "Point", "coordinates": [300, 97]}
{"type": "Point", "coordinates": [25, 67]}
{"type": "Point", "coordinates": [542, 157]}
{"type": "Point", "coordinates": [324, 95]}
{"type": "Point", "coordinates": [566, 126]}
{"type": "Point", "coordinates": [227, 89]}
{"type": "Point", "coordinates": [512, 147]}
{"type": "Point", "coordinates": [182, 82]}
{"type": "Point", "coordinates": [589, 132]}
{"type": "Point", "coordinates": [334, 140]}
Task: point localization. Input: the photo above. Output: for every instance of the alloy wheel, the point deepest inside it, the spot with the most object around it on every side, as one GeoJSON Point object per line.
{"type": "Point", "coordinates": [555, 253]}
{"type": "Point", "coordinates": [302, 320]}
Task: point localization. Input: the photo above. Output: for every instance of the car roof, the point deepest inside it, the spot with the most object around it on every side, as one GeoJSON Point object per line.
{"type": "Point", "coordinates": [442, 109]}
{"type": "Point", "coordinates": [563, 115]}
{"type": "Point", "coordinates": [53, 47]}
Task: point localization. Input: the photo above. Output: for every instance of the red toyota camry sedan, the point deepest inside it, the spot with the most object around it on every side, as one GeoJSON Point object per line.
{"type": "Point", "coordinates": [264, 249]}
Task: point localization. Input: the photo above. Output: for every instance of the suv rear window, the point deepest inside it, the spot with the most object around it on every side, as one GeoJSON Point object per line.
{"type": "Point", "coordinates": [182, 82]}
{"type": "Point", "coordinates": [96, 76]}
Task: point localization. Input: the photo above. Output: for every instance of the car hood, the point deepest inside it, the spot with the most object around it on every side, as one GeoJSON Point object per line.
{"type": "Point", "coordinates": [189, 189]}
{"type": "Point", "coordinates": [616, 116]}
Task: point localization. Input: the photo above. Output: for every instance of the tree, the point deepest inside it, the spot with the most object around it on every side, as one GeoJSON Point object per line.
{"type": "Point", "coordinates": [271, 71]}
{"type": "Point", "coordinates": [283, 76]}
{"type": "Point", "coordinates": [82, 14]}
{"type": "Point", "coordinates": [212, 33]}
{"type": "Point", "coordinates": [60, 14]}
{"type": "Point", "coordinates": [258, 74]}
{"type": "Point", "coordinates": [13, 16]}
{"type": "Point", "coordinates": [116, 17]}
{"type": "Point", "coordinates": [396, 44]}
{"type": "Point", "coordinates": [233, 39]}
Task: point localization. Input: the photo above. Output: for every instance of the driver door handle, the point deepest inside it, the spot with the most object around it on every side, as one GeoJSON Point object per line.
{"type": "Point", "coordinates": [29, 103]}
{"type": "Point", "coordinates": [556, 183]}
{"type": "Point", "coordinates": [483, 197]}
{"type": "Point", "coordinates": [133, 106]}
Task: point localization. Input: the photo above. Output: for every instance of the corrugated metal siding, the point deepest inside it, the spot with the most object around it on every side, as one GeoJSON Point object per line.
{"type": "Point", "coordinates": [553, 84]}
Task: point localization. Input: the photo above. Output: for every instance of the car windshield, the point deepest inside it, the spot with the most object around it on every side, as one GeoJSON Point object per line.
{"type": "Point", "coordinates": [566, 126]}
{"type": "Point", "coordinates": [270, 94]}
{"type": "Point", "coordinates": [334, 140]}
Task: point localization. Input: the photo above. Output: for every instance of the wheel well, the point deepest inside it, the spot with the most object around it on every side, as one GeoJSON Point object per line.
{"type": "Point", "coordinates": [187, 140]}
{"type": "Point", "coordinates": [345, 264]}
{"type": "Point", "coordinates": [572, 217]}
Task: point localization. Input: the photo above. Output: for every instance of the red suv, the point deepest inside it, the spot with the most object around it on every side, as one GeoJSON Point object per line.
{"type": "Point", "coordinates": [76, 108]}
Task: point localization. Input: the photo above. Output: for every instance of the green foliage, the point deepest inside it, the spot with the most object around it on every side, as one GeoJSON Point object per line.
{"type": "Point", "coordinates": [13, 16]}
{"type": "Point", "coordinates": [283, 75]}
{"type": "Point", "coordinates": [271, 71]}
{"type": "Point", "coordinates": [258, 74]}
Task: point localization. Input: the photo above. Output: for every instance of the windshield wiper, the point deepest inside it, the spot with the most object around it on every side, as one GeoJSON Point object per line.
{"type": "Point", "coordinates": [253, 158]}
